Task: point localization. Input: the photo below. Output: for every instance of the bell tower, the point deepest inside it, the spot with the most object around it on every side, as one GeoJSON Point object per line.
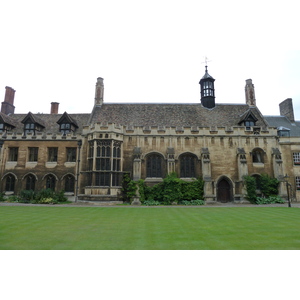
{"type": "Point", "coordinates": [207, 90]}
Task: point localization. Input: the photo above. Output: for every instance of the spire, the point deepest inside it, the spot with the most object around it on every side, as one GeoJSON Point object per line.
{"type": "Point", "coordinates": [207, 90]}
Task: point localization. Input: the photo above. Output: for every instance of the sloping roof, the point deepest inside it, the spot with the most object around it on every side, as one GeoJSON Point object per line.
{"type": "Point", "coordinates": [173, 115]}
{"type": "Point", "coordinates": [49, 121]}
{"type": "Point", "coordinates": [282, 121]}
{"type": "Point", "coordinates": [7, 119]}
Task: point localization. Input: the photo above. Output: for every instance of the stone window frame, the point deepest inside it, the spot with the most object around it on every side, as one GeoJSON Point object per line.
{"type": "Point", "coordinates": [296, 158]}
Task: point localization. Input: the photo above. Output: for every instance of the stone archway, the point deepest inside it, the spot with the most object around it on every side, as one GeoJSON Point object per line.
{"type": "Point", "coordinates": [224, 190]}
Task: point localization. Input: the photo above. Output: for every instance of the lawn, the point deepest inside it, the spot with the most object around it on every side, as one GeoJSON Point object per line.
{"type": "Point", "coordinates": [199, 228]}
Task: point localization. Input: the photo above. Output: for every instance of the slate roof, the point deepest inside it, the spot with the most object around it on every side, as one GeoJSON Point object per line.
{"type": "Point", "coordinates": [282, 121]}
{"type": "Point", "coordinates": [49, 121]}
{"type": "Point", "coordinates": [173, 115]}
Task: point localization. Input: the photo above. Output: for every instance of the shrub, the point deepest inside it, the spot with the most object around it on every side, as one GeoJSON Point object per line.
{"type": "Point", "coordinates": [2, 197]}
{"type": "Point", "coordinates": [192, 202]}
{"type": "Point", "coordinates": [250, 188]}
{"type": "Point", "coordinates": [48, 201]}
{"type": "Point", "coordinates": [129, 188]}
{"type": "Point", "coordinates": [171, 190]}
{"type": "Point", "coordinates": [151, 203]}
{"type": "Point", "coordinates": [29, 196]}
{"type": "Point", "coordinates": [270, 200]}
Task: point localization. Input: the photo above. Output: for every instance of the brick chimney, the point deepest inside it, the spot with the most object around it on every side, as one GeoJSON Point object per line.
{"type": "Point", "coordinates": [54, 108]}
{"type": "Point", "coordinates": [7, 106]}
{"type": "Point", "coordinates": [287, 110]}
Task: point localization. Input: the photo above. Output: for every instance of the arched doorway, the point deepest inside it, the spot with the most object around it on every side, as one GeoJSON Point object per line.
{"type": "Point", "coordinates": [224, 191]}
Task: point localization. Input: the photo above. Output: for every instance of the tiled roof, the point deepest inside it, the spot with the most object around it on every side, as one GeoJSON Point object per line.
{"type": "Point", "coordinates": [282, 121]}
{"type": "Point", "coordinates": [49, 121]}
{"type": "Point", "coordinates": [173, 115]}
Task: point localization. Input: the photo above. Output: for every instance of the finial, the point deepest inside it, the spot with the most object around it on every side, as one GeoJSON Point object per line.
{"type": "Point", "coordinates": [206, 61]}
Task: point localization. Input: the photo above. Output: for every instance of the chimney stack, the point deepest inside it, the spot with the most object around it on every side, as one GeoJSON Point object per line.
{"type": "Point", "coordinates": [250, 93]}
{"type": "Point", "coordinates": [7, 106]}
{"type": "Point", "coordinates": [54, 108]}
{"type": "Point", "coordinates": [287, 110]}
{"type": "Point", "coordinates": [99, 93]}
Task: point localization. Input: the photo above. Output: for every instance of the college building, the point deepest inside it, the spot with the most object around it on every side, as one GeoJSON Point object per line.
{"type": "Point", "coordinates": [87, 154]}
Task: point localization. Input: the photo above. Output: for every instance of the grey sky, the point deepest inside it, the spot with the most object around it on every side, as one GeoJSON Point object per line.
{"type": "Point", "coordinates": [147, 51]}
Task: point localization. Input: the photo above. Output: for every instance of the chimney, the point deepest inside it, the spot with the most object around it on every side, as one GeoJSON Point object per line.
{"type": "Point", "coordinates": [99, 93]}
{"type": "Point", "coordinates": [54, 108]}
{"type": "Point", "coordinates": [7, 106]}
{"type": "Point", "coordinates": [287, 110]}
{"type": "Point", "coordinates": [250, 93]}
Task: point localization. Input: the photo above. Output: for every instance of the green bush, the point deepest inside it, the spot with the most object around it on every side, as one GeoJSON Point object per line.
{"type": "Point", "coordinates": [270, 200]}
{"type": "Point", "coordinates": [151, 203]}
{"type": "Point", "coordinates": [129, 188]}
{"type": "Point", "coordinates": [266, 184]}
{"type": "Point", "coordinates": [192, 202]}
{"type": "Point", "coordinates": [29, 196]}
{"type": "Point", "coordinates": [2, 197]}
{"type": "Point", "coordinates": [171, 190]}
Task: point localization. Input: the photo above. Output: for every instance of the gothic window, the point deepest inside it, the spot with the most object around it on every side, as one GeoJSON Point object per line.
{"type": "Point", "coordinates": [258, 155]}
{"type": "Point", "coordinates": [107, 163]}
{"type": "Point", "coordinates": [52, 154]}
{"type": "Point", "coordinates": [296, 158]}
{"type": "Point", "coordinates": [30, 182]}
{"type": "Point", "coordinates": [71, 154]}
{"type": "Point", "coordinates": [50, 182]}
{"type": "Point", "coordinates": [65, 128]}
{"type": "Point", "coordinates": [10, 183]}
{"type": "Point", "coordinates": [33, 153]}
{"type": "Point", "coordinates": [154, 166]}
{"type": "Point", "coordinates": [13, 154]}
{"type": "Point", "coordinates": [69, 184]}
{"type": "Point", "coordinates": [187, 166]}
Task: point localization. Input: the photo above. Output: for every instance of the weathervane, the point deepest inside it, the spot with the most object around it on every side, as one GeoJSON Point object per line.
{"type": "Point", "coordinates": [206, 61]}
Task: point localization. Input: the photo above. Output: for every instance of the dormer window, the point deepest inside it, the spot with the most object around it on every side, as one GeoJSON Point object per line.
{"type": "Point", "coordinates": [32, 124]}
{"type": "Point", "coordinates": [65, 128]}
{"type": "Point", "coordinates": [248, 119]}
{"type": "Point", "coordinates": [6, 123]}
{"type": "Point", "coordinates": [284, 132]}
{"type": "Point", "coordinates": [67, 124]}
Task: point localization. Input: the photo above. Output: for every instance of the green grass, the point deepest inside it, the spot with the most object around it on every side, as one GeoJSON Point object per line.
{"type": "Point", "coordinates": [149, 228]}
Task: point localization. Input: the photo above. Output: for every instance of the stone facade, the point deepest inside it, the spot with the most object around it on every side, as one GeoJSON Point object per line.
{"type": "Point", "coordinates": [220, 143]}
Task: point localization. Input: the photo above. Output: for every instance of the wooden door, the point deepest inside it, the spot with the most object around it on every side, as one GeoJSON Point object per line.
{"type": "Point", "coordinates": [224, 191]}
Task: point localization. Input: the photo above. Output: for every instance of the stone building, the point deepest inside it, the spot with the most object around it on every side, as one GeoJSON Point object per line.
{"type": "Point", "coordinates": [86, 155]}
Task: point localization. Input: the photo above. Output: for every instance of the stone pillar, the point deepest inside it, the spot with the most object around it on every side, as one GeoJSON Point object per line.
{"type": "Point", "coordinates": [206, 171]}
{"type": "Point", "coordinates": [278, 172]}
{"type": "Point", "coordinates": [137, 164]}
{"type": "Point", "coordinates": [170, 160]}
{"type": "Point", "coordinates": [242, 171]}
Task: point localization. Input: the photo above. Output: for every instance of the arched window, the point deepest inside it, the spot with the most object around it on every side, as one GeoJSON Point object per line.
{"type": "Point", "coordinates": [30, 182]}
{"type": "Point", "coordinates": [10, 183]}
{"type": "Point", "coordinates": [258, 155]}
{"type": "Point", "coordinates": [50, 182]}
{"type": "Point", "coordinates": [154, 166]}
{"type": "Point", "coordinates": [187, 166]}
{"type": "Point", "coordinates": [69, 184]}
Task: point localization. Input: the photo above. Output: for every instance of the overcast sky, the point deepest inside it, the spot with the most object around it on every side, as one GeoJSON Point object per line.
{"type": "Point", "coordinates": [148, 51]}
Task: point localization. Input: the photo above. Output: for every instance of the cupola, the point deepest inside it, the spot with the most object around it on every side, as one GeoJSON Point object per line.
{"type": "Point", "coordinates": [207, 90]}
